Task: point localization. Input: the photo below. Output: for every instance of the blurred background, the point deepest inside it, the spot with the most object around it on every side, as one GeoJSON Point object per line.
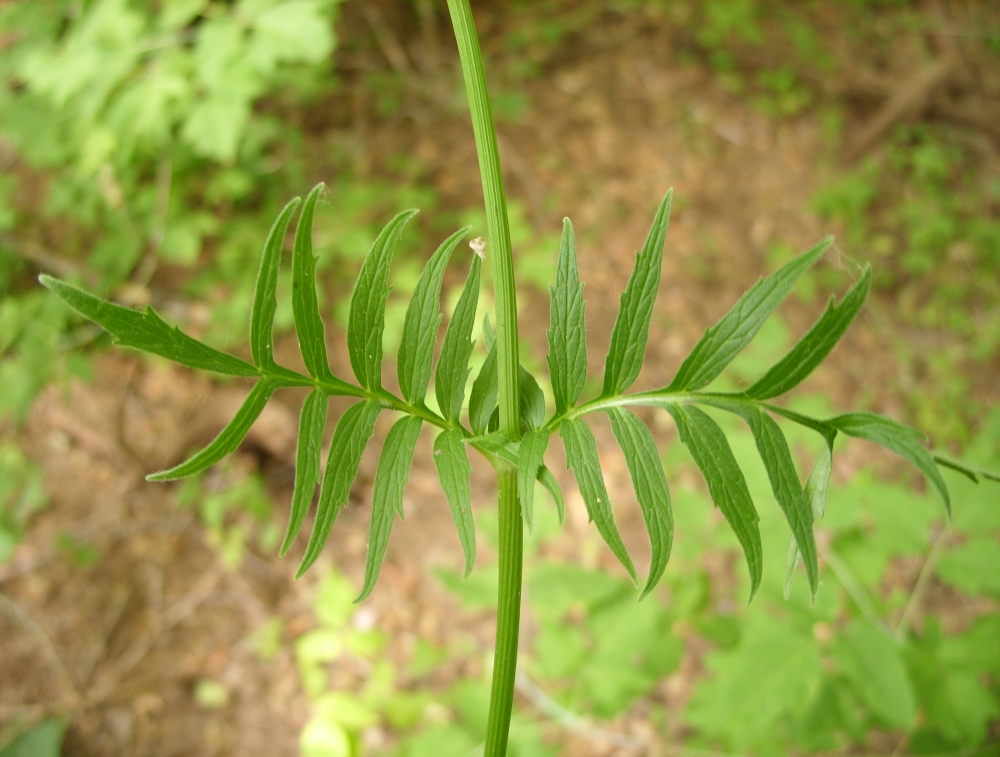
{"type": "Point", "coordinates": [147, 145]}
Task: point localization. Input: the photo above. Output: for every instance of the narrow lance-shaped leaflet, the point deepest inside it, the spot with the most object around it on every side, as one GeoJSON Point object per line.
{"type": "Point", "coordinates": [650, 485]}
{"type": "Point", "coordinates": [567, 356]}
{"type": "Point", "coordinates": [265, 298]}
{"type": "Point", "coordinates": [350, 437]}
{"type": "Point", "coordinates": [312, 421]}
{"type": "Point", "coordinates": [305, 304]}
{"type": "Point", "coordinates": [710, 450]}
{"type": "Point", "coordinates": [812, 349]}
{"type": "Point", "coordinates": [723, 341]}
{"type": "Point", "coordinates": [529, 461]}
{"type": "Point", "coordinates": [366, 319]}
{"type": "Point", "coordinates": [387, 496]}
{"type": "Point", "coordinates": [145, 330]}
{"type": "Point", "coordinates": [628, 339]}
{"type": "Point", "coordinates": [420, 326]}
{"type": "Point", "coordinates": [582, 458]}
{"type": "Point", "coordinates": [228, 439]}
{"type": "Point", "coordinates": [453, 364]}
{"type": "Point", "coordinates": [454, 470]}
{"type": "Point", "coordinates": [777, 459]}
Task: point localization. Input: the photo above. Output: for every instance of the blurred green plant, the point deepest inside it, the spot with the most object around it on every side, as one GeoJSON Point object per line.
{"type": "Point", "coordinates": [918, 209]}
{"type": "Point", "coordinates": [22, 494]}
{"type": "Point", "coordinates": [136, 134]}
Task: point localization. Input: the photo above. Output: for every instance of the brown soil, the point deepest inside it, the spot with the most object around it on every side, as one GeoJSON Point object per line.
{"type": "Point", "coordinates": [611, 123]}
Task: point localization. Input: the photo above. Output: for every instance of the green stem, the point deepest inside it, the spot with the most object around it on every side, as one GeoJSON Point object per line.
{"type": "Point", "coordinates": [499, 251]}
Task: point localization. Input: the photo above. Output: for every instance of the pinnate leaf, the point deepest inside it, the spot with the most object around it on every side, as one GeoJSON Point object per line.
{"type": "Point", "coordinates": [628, 339]}
{"type": "Point", "coordinates": [387, 497]}
{"type": "Point", "coordinates": [350, 437]}
{"type": "Point", "coordinates": [305, 305]}
{"type": "Point", "coordinates": [453, 364]}
{"type": "Point", "coordinates": [567, 357]}
{"type": "Point", "coordinates": [712, 454]}
{"type": "Point", "coordinates": [145, 330]}
{"type": "Point", "coordinates": [723, 341]}
{"type": "Point", "coordinates": [454, 470]}
{"type": "Point", "coordinates": [265, 298]}
{"type": "Point", "coordinates": [228, 439]}
{"type": "Point", "coordinates": [813, 348]}
{"type": "Point", "coordinates": [582, 458]}
{"type": "Point", "coordinates": [366, 320]}
{"type": "Point", "coordinates": [529, 460]}
{"type": "Point", "coordinates": [650, 484]}
{"type": "Point", "coordinates": [312, 421]}
{"type": "Point", "coordinates": [420, 327]}
{"type": "Point", "coordinates": [904, 441]}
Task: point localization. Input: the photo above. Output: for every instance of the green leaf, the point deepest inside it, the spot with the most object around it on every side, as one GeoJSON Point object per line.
{"type": "Point", "coordinates": [582, 458]}
{"type": "Point", "coordinates": [453, 364]}
{"type": "Point", "coordinates": [650, 484]}
{"type": "Point", "coordinates": [723, 341]}
{"type": "Point", "coordinates": [312, 422]}
{"type": "Point", "coordinates": [228, 439]}
{"type": "Point", "coordinates": [785, 485]}
{"type": "Point", "coordinates": [529, 460]}
{"type": "Point", "coordinates": [350, 437]}
{"type": "Point", "coordinates": [265, 299]}
{"type": "Point", "coordinates": [454, 470]}
{"type": "Point", "coordinates": [305, 306]}
{"type": "Point", "coordinates": [873, 664]}
{"type": "Point", "coordinates": [532, 401]}
{"type": "Point", "coordinates": [366, 320]}
{"type": "Point", "coordinates": [712, 454]}
{"type": "Point", "coordinates": [146, 331]}
{"type": "Point", "coordinates": [567, 356]}
{"type": "Point", "coordinates": [813, 348]}
{"type": "Point", "coordinates": [906, 442]}
{"type": "Point", "coordinates": [483, 399]}
{"type": "Point", "coordinates": [387, 497]}
{"type": "Point", "coordinates": [628, 340]}
{"type": "Point", "coordinates": [815, 491]}
{"type": "Point", "coordinates": [420, 327]}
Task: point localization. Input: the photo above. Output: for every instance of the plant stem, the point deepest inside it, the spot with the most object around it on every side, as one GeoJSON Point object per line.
{"type": "Point", "coordinates": [499, 251]}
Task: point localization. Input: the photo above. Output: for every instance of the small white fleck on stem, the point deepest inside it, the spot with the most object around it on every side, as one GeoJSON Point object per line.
{"type": "Point", "coordinates": [478, 246]}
